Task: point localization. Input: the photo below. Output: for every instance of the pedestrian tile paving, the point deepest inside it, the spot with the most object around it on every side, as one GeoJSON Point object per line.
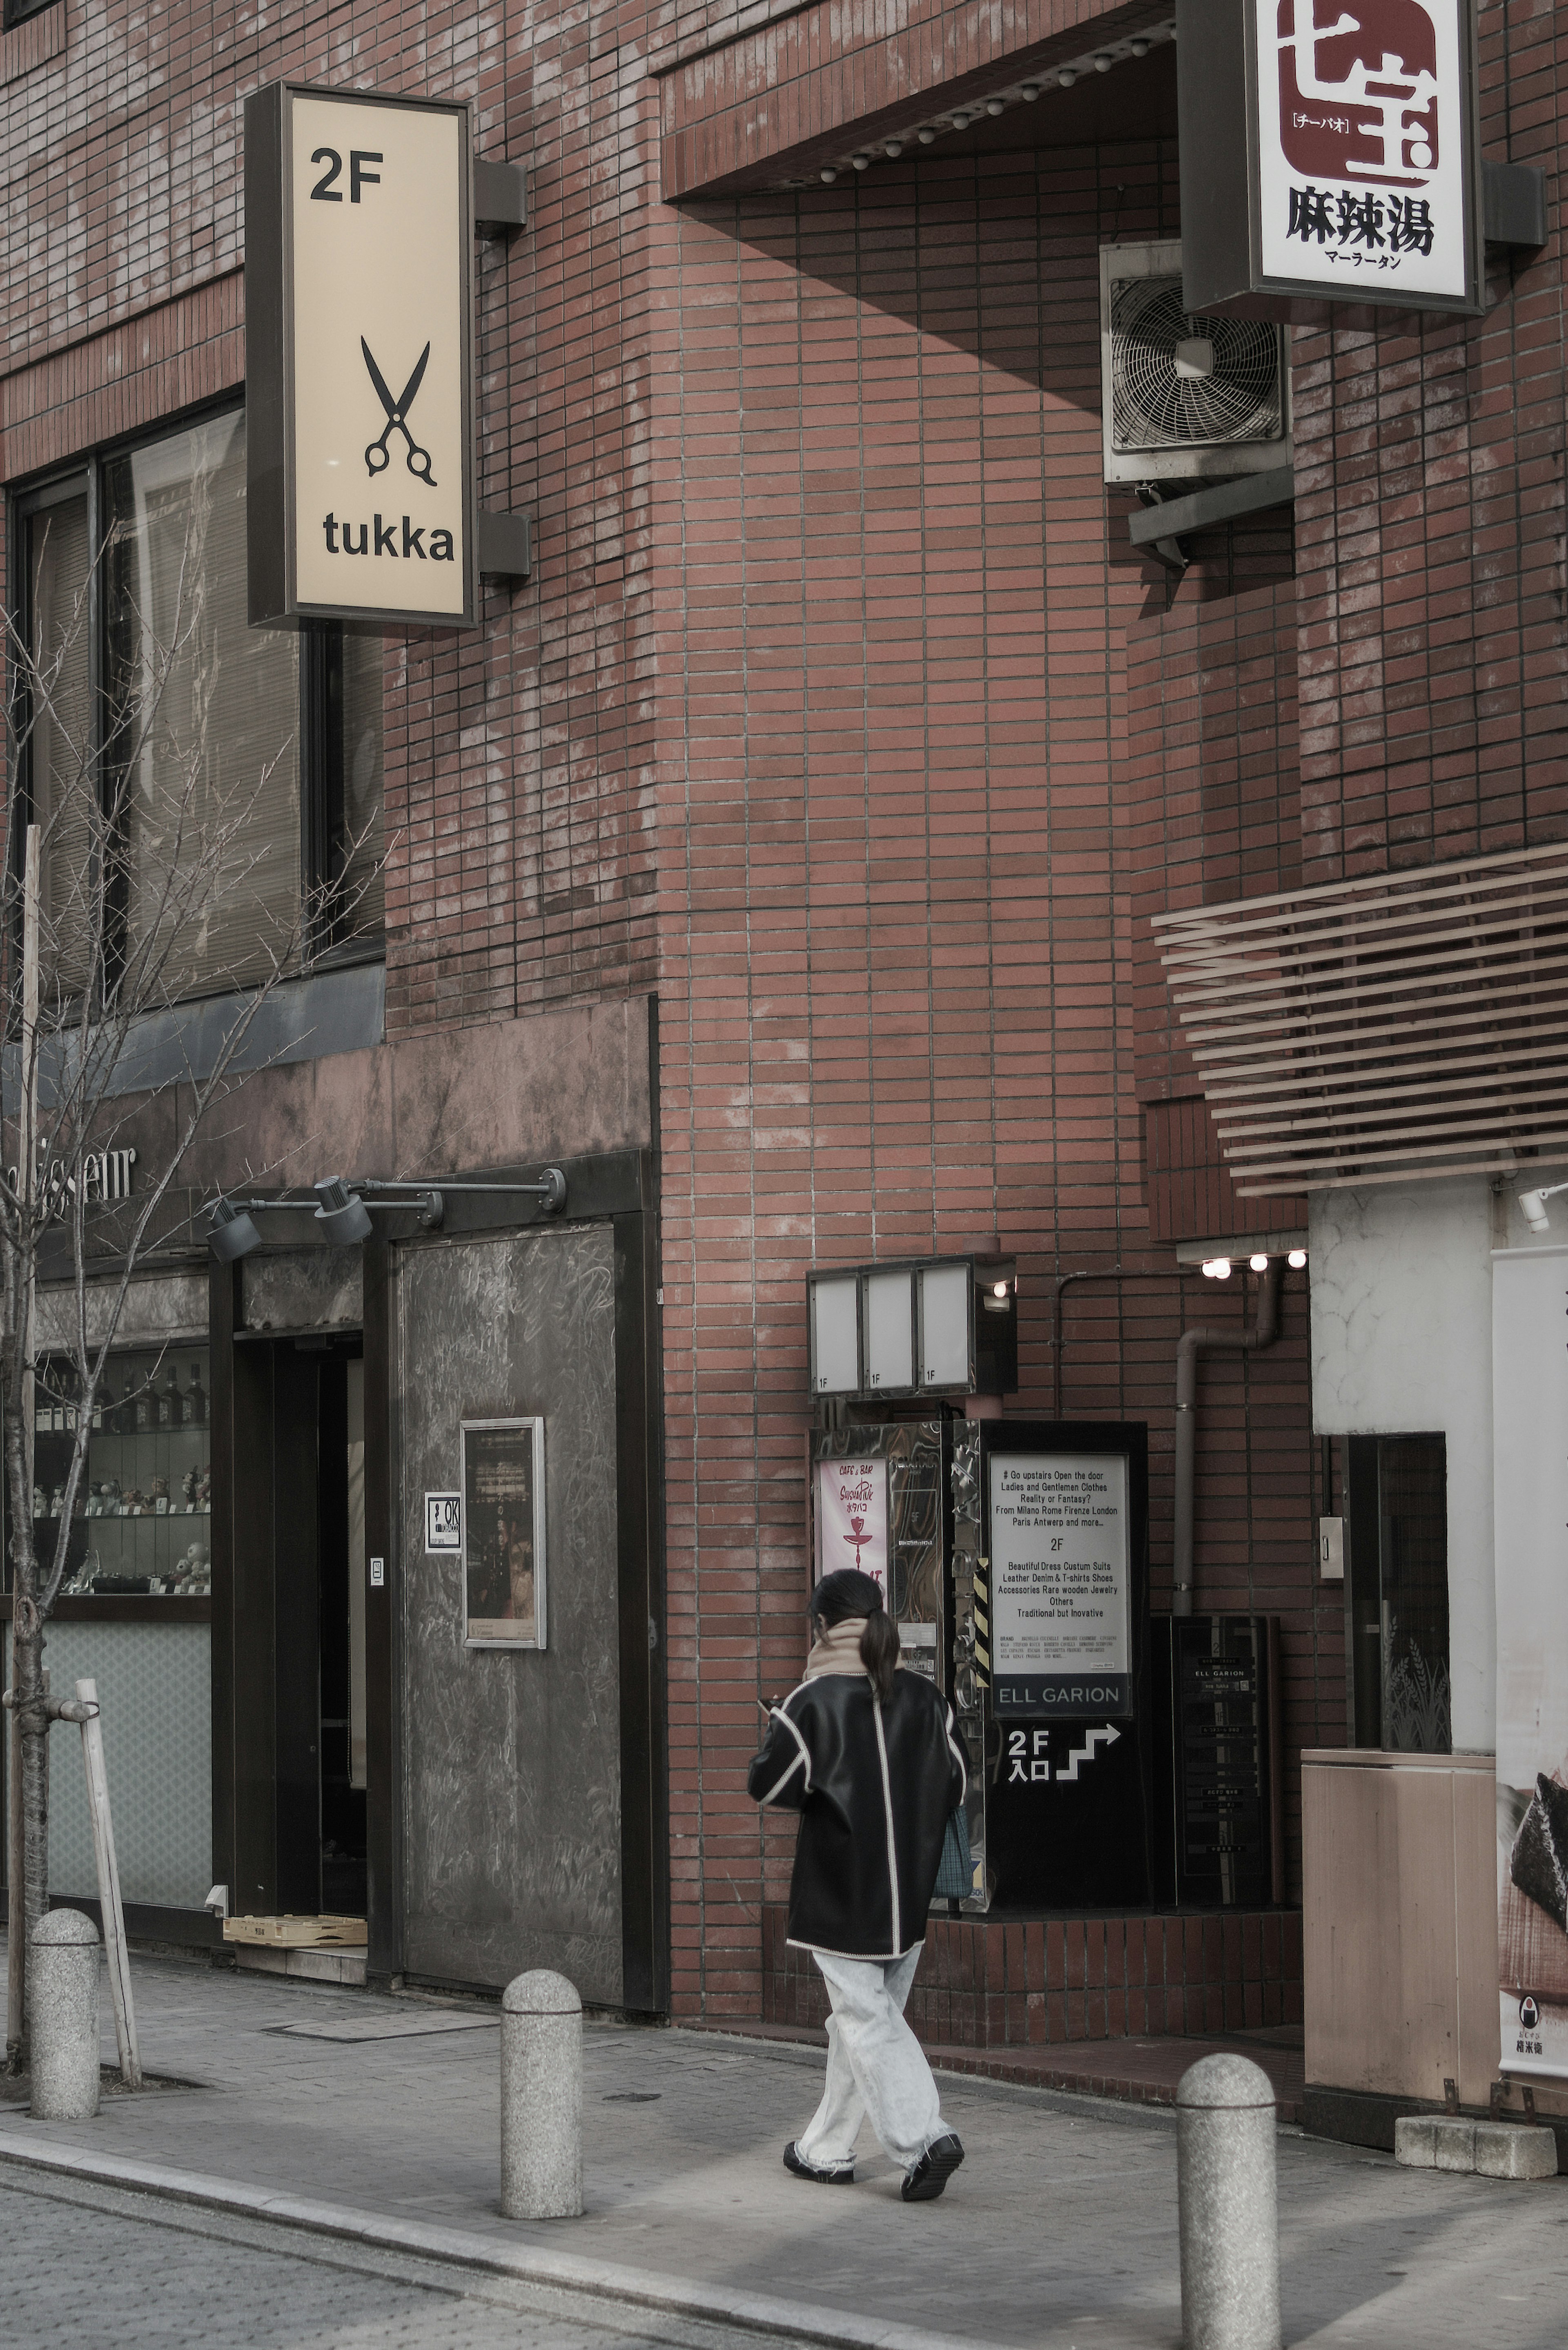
{"type": "Point", "coordinates": [1060, 2231]}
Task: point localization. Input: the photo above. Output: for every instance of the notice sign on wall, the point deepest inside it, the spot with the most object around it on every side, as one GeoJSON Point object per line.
{"type": "Point", "coordinates": [1061, 1584]}
{"type": "Point", "coordinates": [852, 1518]}
{"type": "Point", "coordinates": [1362, 180]}
{"type": "Point", "coordinates": [359, 395]}
{"type": "Point", "coordinates": [1530, 1484]}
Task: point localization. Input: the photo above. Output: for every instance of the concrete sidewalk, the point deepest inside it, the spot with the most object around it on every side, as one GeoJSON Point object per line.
{"type": "Point", "coordinates": [1060, 2231]}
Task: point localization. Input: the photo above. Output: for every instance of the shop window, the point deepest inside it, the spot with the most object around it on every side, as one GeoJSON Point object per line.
{"type": "Point", "coordinates": [162, 724]}
{"type": "Point", "coordinates": [141, 1525]}
{"type": "Point", "coordinates": [18, 12]}
{"type": "Point", "coordinates": [1396, 1592]}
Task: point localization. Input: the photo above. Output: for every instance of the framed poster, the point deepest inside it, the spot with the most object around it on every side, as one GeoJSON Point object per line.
{"type": "Point", "coordinates": [1061, 1583]}
{"type": "Point", "coordinates": [361, 494]}
{"type": "Point", "coordinates": [1329, 153]}
{"type": "Point", "coordinates": [504, 1534]}
{"type": "Point", "coordinates": [852, 1518]}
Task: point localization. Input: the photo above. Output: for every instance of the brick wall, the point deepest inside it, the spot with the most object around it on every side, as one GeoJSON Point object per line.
{"type": "Point", "coordinates": [896, 1014]}
{"type": "Point", "coordinates": [1430, 457]}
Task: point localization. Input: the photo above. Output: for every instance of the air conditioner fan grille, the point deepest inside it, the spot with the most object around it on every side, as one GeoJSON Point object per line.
{"type": "Point", "coordinates": [1153, 407]}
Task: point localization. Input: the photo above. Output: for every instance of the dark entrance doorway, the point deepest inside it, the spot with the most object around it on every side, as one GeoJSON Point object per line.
{"type": "Point", "coordinates": [299, 1625]}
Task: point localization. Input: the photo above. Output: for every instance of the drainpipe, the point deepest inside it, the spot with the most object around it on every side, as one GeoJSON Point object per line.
{"type": "Point", "coordinates": [1264, 1331]}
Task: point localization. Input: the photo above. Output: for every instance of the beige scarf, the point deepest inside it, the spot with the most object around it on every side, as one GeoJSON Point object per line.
{"type": "Point", "coordinates": [837, 1650]}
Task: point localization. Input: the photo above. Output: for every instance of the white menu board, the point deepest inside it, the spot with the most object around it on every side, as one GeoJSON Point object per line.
{"type": "Point", "coordinates": [1061, 1584]}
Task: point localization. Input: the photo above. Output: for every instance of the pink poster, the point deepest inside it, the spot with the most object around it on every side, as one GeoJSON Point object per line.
{"type": "Point", "coordinates": [852, 1517]}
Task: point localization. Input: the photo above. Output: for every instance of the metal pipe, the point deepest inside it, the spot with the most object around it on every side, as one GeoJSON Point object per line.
{"type": "Point", "coordinates": [1263, 1333]}
{"type": "Point", "coordinates": [1112, 1272]}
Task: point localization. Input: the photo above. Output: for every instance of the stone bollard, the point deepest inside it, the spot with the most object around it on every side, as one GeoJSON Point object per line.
{"type": "Point", "coordinates": [1230, 2220]}
{"type": "Point", "coordinates": [540, 2098]}
{"type": "Point", "coordinates": [62, 2016]}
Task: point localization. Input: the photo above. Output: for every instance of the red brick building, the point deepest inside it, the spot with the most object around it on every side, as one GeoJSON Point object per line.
{"type": "Point", "coordinates": [835, 758]}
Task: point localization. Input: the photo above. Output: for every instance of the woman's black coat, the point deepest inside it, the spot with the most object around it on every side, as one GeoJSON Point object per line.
{"type": "Point", "coordinates": [873, 1786]}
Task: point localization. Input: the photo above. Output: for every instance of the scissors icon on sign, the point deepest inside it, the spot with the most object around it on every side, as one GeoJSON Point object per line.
{"type": "Point", "coordinates": [378, 456]}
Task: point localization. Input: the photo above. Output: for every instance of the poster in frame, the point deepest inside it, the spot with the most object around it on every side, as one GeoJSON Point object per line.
{"type": "Point", "coordinates": [503, 1566]}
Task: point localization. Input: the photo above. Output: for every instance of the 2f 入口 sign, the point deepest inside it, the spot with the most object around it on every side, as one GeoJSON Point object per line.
{"type": "Point", "coordinates": [358, 269]}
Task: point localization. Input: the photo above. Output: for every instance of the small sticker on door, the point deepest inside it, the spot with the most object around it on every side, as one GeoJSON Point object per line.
{"type": "Point", "coordinates": [377, 1573]}
{"type": "Point", "coordinates": [443, 1522]}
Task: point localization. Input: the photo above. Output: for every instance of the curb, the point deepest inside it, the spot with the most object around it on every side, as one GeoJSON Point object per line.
{"type": "Point", "coordinates": [793, 2321]}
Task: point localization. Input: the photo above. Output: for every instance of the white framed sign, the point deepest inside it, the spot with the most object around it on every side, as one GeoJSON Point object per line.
{"type": "Point", "coordinates": [1061, 1584]}
{"type": "Point", "coordinates": [1331, 152]}
{"type": "Point", "coordinates": [359, 367]}
{"type": "Point", "coordinates": [504, 1534]}
{"type": "Point", "coordinates": [444, 1523]}
{"type": "Point", "coordinates": [852, 1518]}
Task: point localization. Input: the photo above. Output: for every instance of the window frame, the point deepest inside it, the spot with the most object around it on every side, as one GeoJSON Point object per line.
{"type": "Point", "coordinates": [22, 11]}
{"type": "Point", "coordinates": [320, 714]}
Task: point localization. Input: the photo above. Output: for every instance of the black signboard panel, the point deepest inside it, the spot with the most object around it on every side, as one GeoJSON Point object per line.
{"type": "Point", "coordinates": [1219, 1786]}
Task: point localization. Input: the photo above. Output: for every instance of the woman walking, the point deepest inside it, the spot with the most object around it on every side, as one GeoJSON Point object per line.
{"type": "Point", "coordinates": [866, 1753]}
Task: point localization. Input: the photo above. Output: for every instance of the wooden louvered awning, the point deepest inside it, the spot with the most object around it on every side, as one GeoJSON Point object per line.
{"type": "Point", "coordinates": [1404, 1026]}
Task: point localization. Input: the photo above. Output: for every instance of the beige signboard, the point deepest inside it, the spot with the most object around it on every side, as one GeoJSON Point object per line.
{"type": "Point", "coordinates": [360, 377]}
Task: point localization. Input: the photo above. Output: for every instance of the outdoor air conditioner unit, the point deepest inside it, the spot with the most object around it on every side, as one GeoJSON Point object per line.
{"type": "Point", "coordinates": [1187, 397]}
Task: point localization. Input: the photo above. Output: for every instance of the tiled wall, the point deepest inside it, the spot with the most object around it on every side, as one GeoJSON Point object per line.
{"type": "Point", "coordinates": [1027, 1986]}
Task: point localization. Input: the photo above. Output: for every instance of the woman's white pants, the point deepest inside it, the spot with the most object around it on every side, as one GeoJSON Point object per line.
{"type": "Point", "coordinates": [876, 2066]}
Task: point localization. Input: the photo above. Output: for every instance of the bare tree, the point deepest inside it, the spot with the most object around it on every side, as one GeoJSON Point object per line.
{"type": "Point", "coordinates": [91, 951]}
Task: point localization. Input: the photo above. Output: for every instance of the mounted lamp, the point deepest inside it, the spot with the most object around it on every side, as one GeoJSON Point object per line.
{"type": "Point", "coordinates": [343, 1205]}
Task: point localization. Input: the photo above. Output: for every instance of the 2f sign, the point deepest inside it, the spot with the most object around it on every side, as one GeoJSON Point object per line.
{"type": "Point", "coordinates": [358, 398]}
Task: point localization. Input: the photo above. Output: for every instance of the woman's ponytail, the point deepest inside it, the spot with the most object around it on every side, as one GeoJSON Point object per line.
{"type": "Point", "coordinates": [847, 1592]}
{"type": "Point", "coordinates": [880, 1653]}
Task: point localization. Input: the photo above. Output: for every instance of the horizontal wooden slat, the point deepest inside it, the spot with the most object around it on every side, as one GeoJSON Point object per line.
{"type": "Point", "coordinates": [1384, 1029]}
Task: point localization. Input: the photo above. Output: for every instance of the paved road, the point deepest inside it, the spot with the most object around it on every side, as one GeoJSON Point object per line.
{"type": "Point", "coordinates": [93, 2265]}
{"type": "Point", "coordinates": [1058, 2234]}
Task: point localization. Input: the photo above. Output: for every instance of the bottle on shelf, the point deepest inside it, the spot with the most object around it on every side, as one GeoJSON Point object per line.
{"type": "Point", "coordinates": [171, 1407]}
{"type": "Point", "coordinates": [143, 1410]}
{"type": "Point", "coordinates": [196, 1400]}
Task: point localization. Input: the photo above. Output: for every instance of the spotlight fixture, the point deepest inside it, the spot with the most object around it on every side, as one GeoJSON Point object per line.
{"type": "Point", "coordinates": [1066, 77]}
{"type": "Point", "coordinates": [1139, 48]}
{"type": "Point", "coordinates": [1029, 92]}
{"type": "Point", "coordinates": [1258, 1263]}
{"type": "Point", "coordinates": [960, 122]}
{"type": "Point", "coordinates": [1103, 64]}
{"type": "Point", "coordinates": [861, 162]}
{"type": "Point", "coordinates": [1533, 1205]}
{"type": "Point", "coordinates": [341, 1214]}
{"type": "Point", "coordinates": [1217, 1268]}
{"type": "Point", "coordinates": [1296, 1259]}
{"type": "Point", "coordinates": [829, 175]}
{"type": "Point", "coordinates": [925, 137]}
{"type": "Point", "coordinates": [233, 1233]}
{"type": "Point", "coordinates": [892, 149]}
{"type": "Point", "coordinates": [993, 106]}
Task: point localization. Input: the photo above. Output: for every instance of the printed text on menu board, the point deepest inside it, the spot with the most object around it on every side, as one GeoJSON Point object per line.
{"type": "Point", "coordinates": [1061, 1622]}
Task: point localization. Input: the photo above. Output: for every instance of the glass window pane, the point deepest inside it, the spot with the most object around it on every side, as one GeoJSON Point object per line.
{"type": "Point", "coordinates": [1413, 1552]}
{"type": "Point", "coordinates": [64, 796]}
{"type": "Point", "coordinates": [204, 720]}
{"type": "Point", "coordinates": [363, 896]}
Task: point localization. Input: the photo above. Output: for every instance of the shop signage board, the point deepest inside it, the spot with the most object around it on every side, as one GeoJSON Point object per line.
{"type": "Point", "coordinates": [1061, 1584]}
{"type": "Point", "coordinates": [360, 368]}
{"type": "Point", "coordinates": [1530, 1476]}
{"type": "Point", "coordinates": [1329, 154]}
{"type": "Point", "coordinates": [504, 1534]}
{"type": "Point", "coordinates": [852, 1517]}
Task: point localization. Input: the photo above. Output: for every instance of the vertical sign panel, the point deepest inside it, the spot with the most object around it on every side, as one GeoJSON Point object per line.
{"type": "Point", "coordinates": [1061, 1584]}
{"type": "Point", "coordinates": [1529, 1481]}
{"type": "Point", "coordinates": [852, 1518]}
{"type": "Point", "coordinates": [1329, 154]}
{"type": "Point", "coordinates": [360, 371]}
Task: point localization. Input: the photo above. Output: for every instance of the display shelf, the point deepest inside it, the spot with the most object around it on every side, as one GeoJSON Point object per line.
{"type": "Point", "coordinates": [141, 1527]}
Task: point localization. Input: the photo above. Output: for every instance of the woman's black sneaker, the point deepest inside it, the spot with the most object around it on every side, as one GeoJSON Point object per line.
{"type": "Point", "coordinates": [932, 2172]}
{"type": "Point", "coordinates": [840, 2175]}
